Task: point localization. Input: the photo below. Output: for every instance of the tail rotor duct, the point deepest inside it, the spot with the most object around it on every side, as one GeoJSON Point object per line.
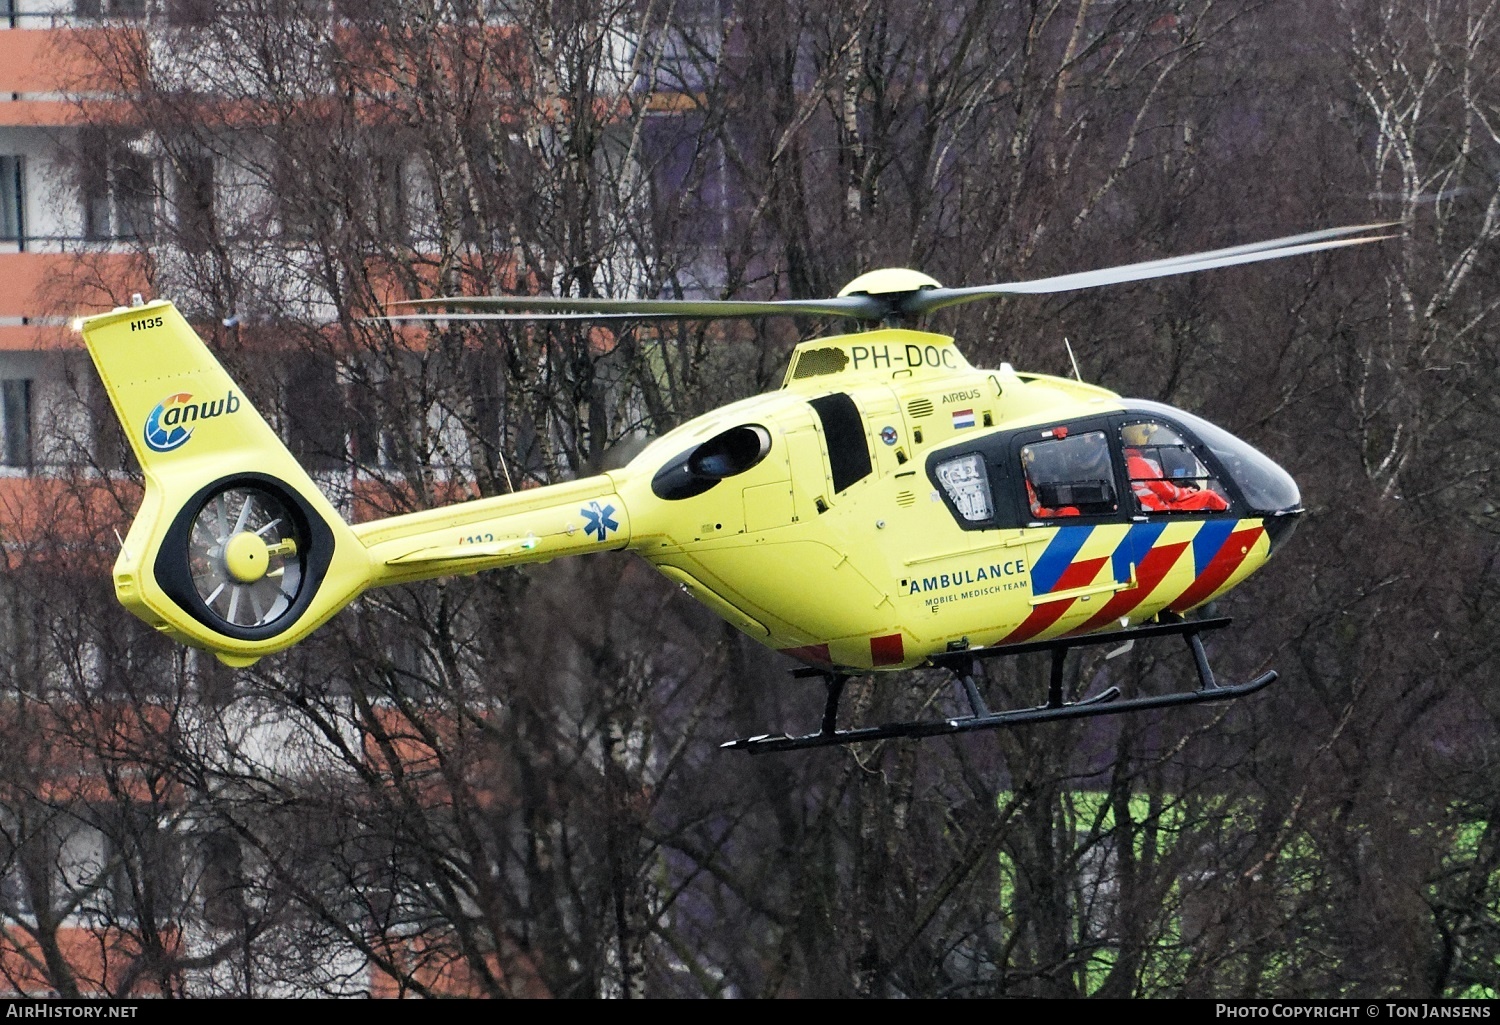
{"type": "Point", "coordinates": [246, 557]}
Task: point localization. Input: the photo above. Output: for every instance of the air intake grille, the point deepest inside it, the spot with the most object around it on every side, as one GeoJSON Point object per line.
{"type": "Point", "coordinates": [905, 499]}
{"type": "Point", "coordinates": [817, 362]}
{"type": "Point", "coordinates": [919, 408]}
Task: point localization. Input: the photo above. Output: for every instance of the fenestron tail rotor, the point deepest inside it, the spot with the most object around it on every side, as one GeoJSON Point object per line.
{"type": "Point", "coordinates": [245, 556]}
{"type": "Point", "coordinates": [896, 295]}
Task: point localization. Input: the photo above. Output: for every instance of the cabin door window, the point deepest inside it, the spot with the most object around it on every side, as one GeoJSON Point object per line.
{"type": "Point", "coordinates": [1069, 475]}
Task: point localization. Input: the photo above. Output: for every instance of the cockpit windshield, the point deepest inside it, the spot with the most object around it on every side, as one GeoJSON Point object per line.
{"type": "Point", "coordinates": [1267, 487]}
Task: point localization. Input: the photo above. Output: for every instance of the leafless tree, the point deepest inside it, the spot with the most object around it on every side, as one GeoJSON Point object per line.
{"type": "Point", "coordinates": [509, 785]}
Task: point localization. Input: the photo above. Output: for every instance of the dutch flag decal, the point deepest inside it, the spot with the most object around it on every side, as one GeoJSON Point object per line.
{"type": "Point", "coordinates": [963, 418]}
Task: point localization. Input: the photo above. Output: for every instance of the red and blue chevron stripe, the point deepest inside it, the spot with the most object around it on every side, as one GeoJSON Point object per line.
{"type": "Point", "coordinates": [1143, 556]}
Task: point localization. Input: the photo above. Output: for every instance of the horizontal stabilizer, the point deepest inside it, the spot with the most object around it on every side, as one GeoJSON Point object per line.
{"type": "Point", "coordinates": [453, 553]}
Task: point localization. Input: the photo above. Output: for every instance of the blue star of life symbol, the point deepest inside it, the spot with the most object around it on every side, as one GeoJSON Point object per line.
{"type": "Point", "coordinates": [598, 518]}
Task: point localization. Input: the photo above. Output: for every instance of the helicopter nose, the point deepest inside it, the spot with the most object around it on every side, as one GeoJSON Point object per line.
{"type": "Point", "coordinates": [1280, 526]}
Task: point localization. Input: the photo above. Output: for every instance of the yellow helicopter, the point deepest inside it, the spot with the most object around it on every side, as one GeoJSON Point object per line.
{"type": "Point", "coordinates": [889, 507]}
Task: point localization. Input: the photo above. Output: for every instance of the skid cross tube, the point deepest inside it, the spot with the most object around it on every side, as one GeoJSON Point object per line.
{"type": "Point", "coordinates": [963, 665]}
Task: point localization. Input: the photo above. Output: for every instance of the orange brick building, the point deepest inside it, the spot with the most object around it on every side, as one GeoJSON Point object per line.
{"type": "Point", "coordinates": [71, 233]}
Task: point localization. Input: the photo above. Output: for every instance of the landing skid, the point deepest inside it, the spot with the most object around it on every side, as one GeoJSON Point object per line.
{"type": "Point", "coordinates": [962, 665]}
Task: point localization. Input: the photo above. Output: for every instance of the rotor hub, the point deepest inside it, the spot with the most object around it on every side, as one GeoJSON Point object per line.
{"type": "Point", "coordinates": [889, 281]}
{"type": "Point", "coordinates": [246, 557]}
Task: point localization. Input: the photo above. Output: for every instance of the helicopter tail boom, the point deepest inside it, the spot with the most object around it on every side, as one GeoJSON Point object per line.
{"type": "Point", "coordinates": [534, 525]}
{"type": "Point", "coordinates": [236, 549]}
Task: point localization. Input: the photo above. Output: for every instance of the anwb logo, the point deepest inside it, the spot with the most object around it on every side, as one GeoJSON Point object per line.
{"type": "Point", "coordinates": [167, 424]}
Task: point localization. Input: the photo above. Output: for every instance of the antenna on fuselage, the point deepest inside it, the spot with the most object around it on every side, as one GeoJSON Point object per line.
{"type": "Point", "coordinates": [1073, 359]}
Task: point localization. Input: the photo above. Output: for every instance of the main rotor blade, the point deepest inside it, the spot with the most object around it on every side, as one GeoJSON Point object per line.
{"type": "Point", "coordinates": [402, 318]}
{"type": "Point", "coordinates": [521, 307]}
{"type": "Point", "coordinates": [1272, 249]}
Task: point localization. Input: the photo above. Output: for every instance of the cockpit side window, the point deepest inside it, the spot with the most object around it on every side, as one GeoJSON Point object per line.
{"type": "Point", "coordinates": [1165, 475]}
{"type": "Point", "coordinates": [1255, 478]}
{"type": "Point", "coordinates": [844, 433]}
{"type": "Point", "coordinates": [968, 486]}
{"type": "Point", "coordinates": [1069, 475]}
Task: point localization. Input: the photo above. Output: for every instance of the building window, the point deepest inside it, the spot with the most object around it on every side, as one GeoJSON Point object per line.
{"type": "Point", "coordinates": [110, 448]}
{"type": "Point", "coordinates": [119, 189]}
{"type": "Point", "coordinates": [134, 195]}
{"type": "Point", "coordinates": [359, 12]}
{"type": "Point", "coordinates": [388, 181]}
{"type": "Point", "coordinates": [384, 423]}
{"type": "Point", "coordinates": [12, 200]}
{"type": "Point", "coordinates": [143, 861]}
{"type": "Point", "coordinates": [94, 184]}
{"type": "Point", "coordinates": [293, 194]}
{"type": "Point", "coordinates": [190, 13]}
{"type": "Point", "coordinates": [14, 900]}
{"type": "Point", "coordinates": [222, 885]}
{"type": "Point", "coordinates": [111, 8]}
{"type": "Point", "coordinates": [315, 416]}
{"type": "Point", "coordinates": [195, 202]}
{"type": "Point", "coordinates": [15, 421]}
{"type": "Point", "coordinates": [370, 444]}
